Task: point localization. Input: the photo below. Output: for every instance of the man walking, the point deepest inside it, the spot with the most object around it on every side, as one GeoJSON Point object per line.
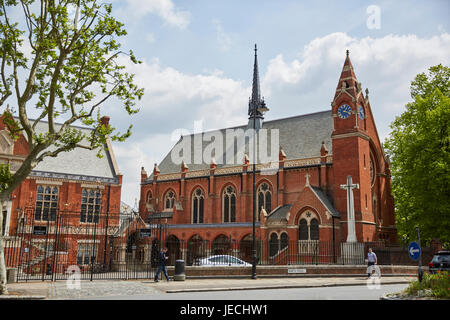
{"type": "Point", "coordinates": [162, 264]}
{"type": "Point", "coordinates": [372, 260]}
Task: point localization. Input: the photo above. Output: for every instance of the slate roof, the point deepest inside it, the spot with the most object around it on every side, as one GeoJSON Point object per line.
{"type": "Point", "coordinates": [78, 164]}
{"type": "Point", "coordinates": [325, 201]}
{"type": "Point", "coordinates": [299, 136]}
{"type": "Point", "coordinates": [279, 214]}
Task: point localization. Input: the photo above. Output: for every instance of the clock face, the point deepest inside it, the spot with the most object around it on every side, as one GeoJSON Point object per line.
{"type": "Point", "coordinates": [344, 111]}
{"type": "Point", "coordinates": [361, 112]}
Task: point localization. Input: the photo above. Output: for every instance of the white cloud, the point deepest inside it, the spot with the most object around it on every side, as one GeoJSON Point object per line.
{"type": "Point", "coordinates": [388, 55]}
{"type": "Point", "coordinates": [385, 65]}
{"type": "Point", "coordinates": [163, 8]}
{"type": "Point", "coordinates": [223, 39]}
{"type": "Point", "coordinates": [210, 97]}
{"type": "Point", "coordinates": [174, 99]}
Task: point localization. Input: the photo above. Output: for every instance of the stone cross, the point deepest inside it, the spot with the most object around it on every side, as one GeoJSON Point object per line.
{"type": "Point", "coordinates": [307, 179]}
{"type": "Point", "coordinates": [351, 233]}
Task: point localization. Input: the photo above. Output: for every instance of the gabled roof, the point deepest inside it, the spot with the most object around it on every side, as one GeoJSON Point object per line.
{"type": "Point", "coordinates": [280, 214]}
{"type": "Point", "coordinates": [78, 164]}
{"type": "Point", "coordinates": [325, 201]}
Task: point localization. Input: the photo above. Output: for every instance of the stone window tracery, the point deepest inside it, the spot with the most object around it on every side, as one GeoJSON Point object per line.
{"type": "Point", "coordinates": [198, 201]}
{"type": "Point", "coordinates": [169, 200]}
{"type": "Point", "coordinates": [264, 199]}
{"type": "Point", "coordinates": [229, 204]}
{"type": "Point", "coordinates": [46, 203]}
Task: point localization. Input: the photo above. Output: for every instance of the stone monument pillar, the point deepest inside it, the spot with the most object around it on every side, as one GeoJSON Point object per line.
{"type": "Point", "coordinates": [352, 252]}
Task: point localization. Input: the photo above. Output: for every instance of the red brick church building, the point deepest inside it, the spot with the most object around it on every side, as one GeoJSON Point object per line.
{"type": "Point", "coordinates": [302, 199]}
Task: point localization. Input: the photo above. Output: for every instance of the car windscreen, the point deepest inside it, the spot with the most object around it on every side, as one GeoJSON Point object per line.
{"type": "Point", "coordinates": [219, 259]}
{"type": "Point", "coordinates": [441, 258]}
{"type": "Point", "coordinates": [235, 260]}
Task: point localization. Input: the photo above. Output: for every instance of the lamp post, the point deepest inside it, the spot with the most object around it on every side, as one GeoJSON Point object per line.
{"type": "Point", "coordinates": [257, 107]}
{"type": "Point", "coordinates": [256, 110]}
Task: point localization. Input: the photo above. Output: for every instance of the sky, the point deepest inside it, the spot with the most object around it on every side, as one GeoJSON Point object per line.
{"type": "Point", "coordinates": [197, 63]}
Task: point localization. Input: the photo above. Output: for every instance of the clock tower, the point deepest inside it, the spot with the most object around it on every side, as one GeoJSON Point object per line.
{"type": "Point", "coordinates": [351, 152]}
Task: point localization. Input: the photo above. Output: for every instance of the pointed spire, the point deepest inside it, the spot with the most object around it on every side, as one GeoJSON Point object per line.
{"type": "Point", "coordinates": [143, 174]}
{"type": "Point", "coordinates": [256, 94]}
{"type": "Point", "coordinates": [213, 163]}
{"type": "Point", "coordinates": [156, 169]}
{"type": "Point", "coordinates": [347, 80]}
{"type": "Point", "coordinates": [323, 150]}
{"type": "Point", "coordinates": [184, 167]}
{"type": "Point", "coordinates": [281, 154]}
{"type": "Point", "coordinates": [246, 159]}
{"type": "Point", "coordinates": [255, 101]}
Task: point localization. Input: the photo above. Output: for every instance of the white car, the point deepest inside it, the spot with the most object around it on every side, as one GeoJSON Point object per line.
{"type": "Point", "coordinates": [222, 261]}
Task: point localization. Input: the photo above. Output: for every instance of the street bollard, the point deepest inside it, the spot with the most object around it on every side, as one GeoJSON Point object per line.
{"type": "Point", "coordinates": [179, 271]}
{"type": "Point", "coordinates": [11, 275]}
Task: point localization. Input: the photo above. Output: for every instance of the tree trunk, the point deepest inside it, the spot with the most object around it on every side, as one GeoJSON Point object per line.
{"type": "Point", "coordinates": [3, 287]}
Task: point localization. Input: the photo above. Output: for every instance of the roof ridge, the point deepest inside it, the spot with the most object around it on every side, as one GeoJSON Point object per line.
{"type": "Point", "coordinates": [274, 120]}
{"type": "Point", "coordinates": [59, 123]}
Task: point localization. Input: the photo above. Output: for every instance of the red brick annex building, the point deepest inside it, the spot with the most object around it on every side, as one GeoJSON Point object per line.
{"type": "Point", "coordinates": [66, 212]}
{"type": "Point", "coordinates": [301, 201]}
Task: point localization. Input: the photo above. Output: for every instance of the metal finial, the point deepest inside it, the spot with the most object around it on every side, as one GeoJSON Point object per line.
{"type": "Point", "coordinates": [347, 52]}
{"type": "Point", "coordinates": [256, 49]}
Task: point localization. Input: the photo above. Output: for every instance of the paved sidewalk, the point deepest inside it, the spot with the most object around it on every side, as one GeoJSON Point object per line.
{"type": "Point", "coordinates": [99, 288]}
{"type": "Point", "coordinates": [268, 283]}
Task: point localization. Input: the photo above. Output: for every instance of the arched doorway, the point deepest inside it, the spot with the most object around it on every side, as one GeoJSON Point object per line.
{"type": "Point", "coordinates": [273, 245]}
{"type": "Point", "coordinates": [195, 250]}
{"type": "Point", "coordinates": [221, 245]}
{"type": "Point", "coordinates": [173, 247]}
{"type": "Point", "coordinates": [132, 245]}
{"type": "Point", "coordinates": [155, 253]}
{"type": "Point", "coordinates": [246, 248]}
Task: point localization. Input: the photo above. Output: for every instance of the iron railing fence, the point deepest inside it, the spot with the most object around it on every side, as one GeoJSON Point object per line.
{"type": "Point", "coordinates": [291, 252]}
{"type": "Point", "coordinates": [103, 246]}
{"type": "Point", "coordinates": [110, 246]}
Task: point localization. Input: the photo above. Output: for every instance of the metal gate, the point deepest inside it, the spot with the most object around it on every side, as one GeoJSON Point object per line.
{"type": "Point", "coordinates": [91, 245]}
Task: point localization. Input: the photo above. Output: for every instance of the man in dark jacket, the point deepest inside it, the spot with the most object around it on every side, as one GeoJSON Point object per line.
{"type": "Point", "coordinates": [162, 264]}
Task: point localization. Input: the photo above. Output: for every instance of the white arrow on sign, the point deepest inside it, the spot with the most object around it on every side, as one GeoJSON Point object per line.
{"type": "Point", "coordinates": [412, 251]}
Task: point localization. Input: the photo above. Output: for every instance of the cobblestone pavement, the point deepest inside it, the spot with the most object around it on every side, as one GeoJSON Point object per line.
{"type": "Point", "coordinates": [99, 288]}
{"type": "Point", "coordinates": [105, 288]}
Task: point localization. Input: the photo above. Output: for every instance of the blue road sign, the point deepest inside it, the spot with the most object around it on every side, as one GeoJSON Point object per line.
{"type": "Point", "coordinates": [414, 251]}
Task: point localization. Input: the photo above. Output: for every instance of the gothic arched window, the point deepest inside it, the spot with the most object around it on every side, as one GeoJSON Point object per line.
{"type": "Point", "coordinates": [264, 198]}
{"type": "Point", "coordinates": [308, 228]}
{"type": "Point", "coordinates": [169, 200]}
{"type": "Point", "coordinates": [229, 204]}
{"type": "Point", "coordinates": [284, 240]}
{"type": "Point", "coordinates": [273, 244]}
{"type": "Point", "coordinates": [198, 200]}
{"type": "Point", "coordinates": [372, 171]}
{"type": "Point", "coordinates": [314, 229]}
{"type": "Point", "coordinates": [149, 197]}
{"type": "Point", "coordinates": [303, 233]}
